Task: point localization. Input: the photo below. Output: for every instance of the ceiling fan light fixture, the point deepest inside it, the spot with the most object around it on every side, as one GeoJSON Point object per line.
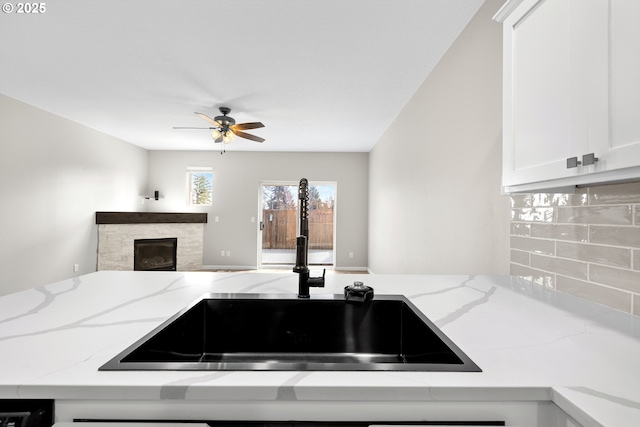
{"type": "Point", "coordinates": [228, 136]}
{"type": "Point", "coordinates": [225, 129]}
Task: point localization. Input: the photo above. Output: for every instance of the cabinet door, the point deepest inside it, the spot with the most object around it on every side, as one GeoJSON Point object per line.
{"type": "Point", "coordinates": [620, 148]}
{"type": "Point", "coordinates": [551, 65]}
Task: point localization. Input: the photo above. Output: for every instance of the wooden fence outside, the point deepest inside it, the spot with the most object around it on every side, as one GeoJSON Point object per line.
{"type": "Point", "coordinates": [280, 229]}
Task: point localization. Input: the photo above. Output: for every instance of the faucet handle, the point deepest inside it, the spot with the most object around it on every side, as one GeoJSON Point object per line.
{"type": "Point", "coordinates": [317, 282]}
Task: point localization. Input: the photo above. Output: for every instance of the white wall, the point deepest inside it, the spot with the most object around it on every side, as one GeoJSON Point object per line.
{"type": "Point", "coordinates": [434, 180]}
{"type": "Point", "coordinates": [236, 194]}
{"type": "Point", "coordinates": [54, 175]}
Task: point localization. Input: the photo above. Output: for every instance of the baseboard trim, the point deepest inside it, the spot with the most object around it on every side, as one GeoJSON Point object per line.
{"type": "Point", "coordinates": [363, 269]}
{"type": "Point", "coordinates": [282, 267]}
{"type": "Point", "coordinates": [229, 267]}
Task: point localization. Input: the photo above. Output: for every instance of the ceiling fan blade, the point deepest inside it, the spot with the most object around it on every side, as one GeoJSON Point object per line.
{"type": "Point", "coordinates": [245, 126]}
{"type": "Point", "coordinates": [187, 127]}
{"type": "Point", "coordinates": [248, 136]}
{"type": "Point", "coordinates": [209, 119]}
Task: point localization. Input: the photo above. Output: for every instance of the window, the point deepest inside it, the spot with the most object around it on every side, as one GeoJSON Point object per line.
{"type": "Point", "coordinates": [200, 186]}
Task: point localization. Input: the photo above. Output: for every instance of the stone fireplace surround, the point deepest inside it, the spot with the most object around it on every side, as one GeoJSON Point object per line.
{"type": "Point", "coordinates": [118, 230]}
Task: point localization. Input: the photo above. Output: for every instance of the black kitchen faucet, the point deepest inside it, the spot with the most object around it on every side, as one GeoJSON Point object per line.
{"type": "Point", "coordinates": [302, 245]}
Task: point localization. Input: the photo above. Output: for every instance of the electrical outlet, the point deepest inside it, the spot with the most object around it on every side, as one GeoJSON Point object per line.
{"type": "Point", "coordinates": [221, 253]}
{"type": "Point", "coordinates": [76, 268]}
{"type": "Point", "coordinates": [228, 253]}
{"type": "Point", "coordinates": [350, 254]}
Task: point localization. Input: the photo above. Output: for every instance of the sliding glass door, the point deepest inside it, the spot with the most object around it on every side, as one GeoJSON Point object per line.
{"type": "Point", "coordinates": [279, 224]}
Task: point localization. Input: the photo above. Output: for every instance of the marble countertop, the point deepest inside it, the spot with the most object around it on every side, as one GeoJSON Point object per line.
{"type": "Point", "coordinates": [532, 344]}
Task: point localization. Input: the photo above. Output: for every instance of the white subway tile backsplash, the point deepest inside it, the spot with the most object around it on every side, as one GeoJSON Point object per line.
{"type": "Point", "coordinates": [520, 229]}
{"type": "Point", "coordinates": [614, 194]}
{"type": "Point", "coordinates": [616, 236]}
{"type": "Point", "coordinates": [562, 266]}
{"type": "Point", "coordinates": [539, 246]}
{"type": "Point", "coordinates": [532, 214]}
{"type": "Point", "coordinates": [623, 279]}
{"type": "Point", "coordinates": [577, 233]}
{"type": "Point", "coordinates": [616, 215]}
{"type": "Point", "coordinates": [539, 277]}
{"type": "Point", "coordinates": [586, 244]}
{"type": "Point", "coordinates": [599, 254]}
{"type": "Point", "coordinates": [520, 257]}
{"type": "Point", "coordinates": [596, 293]}
{"type": "Point", "coordinates": [520, 201]}
{"type": "Point", "coordinates": [556, 199]}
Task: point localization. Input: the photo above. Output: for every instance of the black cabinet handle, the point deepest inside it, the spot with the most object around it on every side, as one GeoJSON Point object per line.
{"type": "Point", "coordinates": [589, 159]}
{"type": "Point", "coordinates": [573, 162]}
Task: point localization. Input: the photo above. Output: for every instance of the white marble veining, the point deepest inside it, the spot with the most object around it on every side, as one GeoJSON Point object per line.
{"type": "Point", "coordinates": [531, 343]}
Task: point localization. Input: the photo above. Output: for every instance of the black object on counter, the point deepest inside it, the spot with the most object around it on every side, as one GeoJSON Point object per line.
{"type": "Point", "coordinates": [358, 292]}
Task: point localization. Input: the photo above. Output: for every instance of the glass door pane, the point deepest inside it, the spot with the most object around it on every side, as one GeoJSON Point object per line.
{"type": "Point", "coordinates": [321, 224]}
{"type": "Point", "coordinates": [279, 218]}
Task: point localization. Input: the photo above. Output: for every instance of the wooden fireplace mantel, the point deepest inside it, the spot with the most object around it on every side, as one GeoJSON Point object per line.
{"type": "Point", "coordinates": [150, 218]}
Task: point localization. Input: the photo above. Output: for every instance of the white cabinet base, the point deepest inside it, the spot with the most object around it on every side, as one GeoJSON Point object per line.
{"type": "Point", "coordinates": [521, 414]}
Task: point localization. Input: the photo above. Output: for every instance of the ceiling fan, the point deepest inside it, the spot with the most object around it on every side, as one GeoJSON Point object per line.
{"type": "Point", "coordinates": [225, 129]}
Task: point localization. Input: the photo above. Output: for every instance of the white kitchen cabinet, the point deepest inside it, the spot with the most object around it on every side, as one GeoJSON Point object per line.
{"type": "Point", "coordinates": [570, 90]}
{"type": "Point", "coordinates": [623, 147]}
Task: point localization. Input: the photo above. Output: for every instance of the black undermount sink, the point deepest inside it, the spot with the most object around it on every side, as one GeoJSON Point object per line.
{"type": "Point", "coordinates": [284, 333]}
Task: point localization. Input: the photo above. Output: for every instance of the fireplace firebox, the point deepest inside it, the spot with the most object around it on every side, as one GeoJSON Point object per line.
{"type": "Point", "coordinates": [155, 254]}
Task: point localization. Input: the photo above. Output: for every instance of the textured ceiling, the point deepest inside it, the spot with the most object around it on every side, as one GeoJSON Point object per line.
{"type": "Point", "coordinates": [322, 75]}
